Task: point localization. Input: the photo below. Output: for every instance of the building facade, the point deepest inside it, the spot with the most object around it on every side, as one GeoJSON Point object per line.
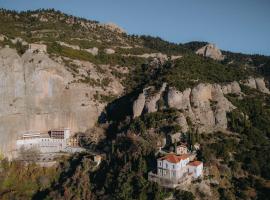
{"type": "Point", "coordinates": [51, 142]}
{"type": "Point", "coordinates": [173, 170]}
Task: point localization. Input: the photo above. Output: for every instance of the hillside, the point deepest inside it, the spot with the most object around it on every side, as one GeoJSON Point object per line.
{"type": "Point", "coordinates": [126, 94]}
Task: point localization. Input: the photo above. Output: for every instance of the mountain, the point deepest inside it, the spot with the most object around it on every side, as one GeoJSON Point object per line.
{"type": "Point", "coordinates": [126, 94]}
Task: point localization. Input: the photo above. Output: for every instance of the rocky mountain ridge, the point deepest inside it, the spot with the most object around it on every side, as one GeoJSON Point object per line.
{"type": "Point", "coordinates": [205, 106]}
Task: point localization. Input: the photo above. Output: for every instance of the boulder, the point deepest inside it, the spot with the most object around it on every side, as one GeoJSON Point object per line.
{"type": "Point", "coordinates": [260, 84]}
{"type": "Point", "coordinates": [109, 51]}
{"type": "Point", "coordinates": [250, 82]}
{"type": "Point", "coordinates": [211, 51]}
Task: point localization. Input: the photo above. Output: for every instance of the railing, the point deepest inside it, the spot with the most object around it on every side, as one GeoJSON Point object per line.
{"type": "Point", "coordinates": [169, 182]}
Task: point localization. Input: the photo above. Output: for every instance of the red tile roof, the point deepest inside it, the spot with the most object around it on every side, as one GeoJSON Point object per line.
{"type": "Point", "coordinates": [195, 163]}
{"type": "Point", "coordinates": [172, 158]}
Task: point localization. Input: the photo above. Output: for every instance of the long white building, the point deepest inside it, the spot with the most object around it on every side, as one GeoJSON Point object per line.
{"type": "Point", "coordinates": [173, 170]}
{"type": "Point", "coordinates": [51, 142]}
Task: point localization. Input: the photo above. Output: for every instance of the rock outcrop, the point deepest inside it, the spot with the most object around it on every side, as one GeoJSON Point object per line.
{"type": "Point", "coordinates": [231, 88]}
{"type": "Point", "coordinates": [93, 51]}
{"type": "Point", "coordinates": [181, 120]}
{"type": "Point", "coordinates": [256, 83]}
{"type": "Point", "coordinates": [151, 102]}
{"type": "Point", "coordinates": [38, 94]}
{"type": "Point", "coordinates": [109, 51]}
{"type": "Point", "coordinates": [211, 51]}
{"type": "Point", "coordinates": [205, 105]}
{"type": "Point", "coordinates": [147, 101]}
{"type": "Point", "coordinates": [138, 105]}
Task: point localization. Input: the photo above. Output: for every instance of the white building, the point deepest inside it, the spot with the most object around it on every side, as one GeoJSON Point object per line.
{"type": "Point", "coordinates": [51, 142]}
{"type": "Point", "coordinates": [173, 170]}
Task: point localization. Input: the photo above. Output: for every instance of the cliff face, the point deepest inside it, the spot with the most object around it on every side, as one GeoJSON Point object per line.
{"type": "Point", "coordinates": [205, 105]}
{"type": "Point", "coordinates": [38, 94]}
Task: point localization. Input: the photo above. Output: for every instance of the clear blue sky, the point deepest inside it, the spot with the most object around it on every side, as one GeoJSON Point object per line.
{"type": "Point", "coordinates": [236, 25]}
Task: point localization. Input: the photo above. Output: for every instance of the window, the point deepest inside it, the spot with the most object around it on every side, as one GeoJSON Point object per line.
{"type": "Point", "coordinates": [173, 166]}
{"type": "Point", "coordinates": [166, 165]}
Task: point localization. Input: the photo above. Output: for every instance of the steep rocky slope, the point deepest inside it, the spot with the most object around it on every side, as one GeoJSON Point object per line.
{"type": "Point", "coordinates": [38, 94]}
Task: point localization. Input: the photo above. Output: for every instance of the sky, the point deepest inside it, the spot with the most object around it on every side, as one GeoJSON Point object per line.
{"type": "Point", "coordinates": [235, 25]}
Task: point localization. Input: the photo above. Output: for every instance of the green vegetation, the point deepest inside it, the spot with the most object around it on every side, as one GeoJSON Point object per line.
{"type": "Point", "coordinates": [186, 72]}
{"type": "Point", "coordinates": [21, 181]}
{"type": "Point", "coordinates": [101, 58]}
{"type": "Point", "coordinates": [245, 152]}
{"type": "Point", "coordinates": [192, 69]}
{"type": "Point", "coordinates": [163, 46]}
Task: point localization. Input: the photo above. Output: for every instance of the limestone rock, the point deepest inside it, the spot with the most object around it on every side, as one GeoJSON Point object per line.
{"type": "Point", "coordinates": [2, 37]}
{"type": "Point", "coordinates": [200, 96]}
{"type": "Point", "coordinates": [231, 88]}
{"type": "Point", "coordinates": [37, 93]}
{"type": "Point", "coordinates": [76, 47]}
{"type": "Point", "coordinates": [205, 105]}
{"type": "Point", "coordinates": [109, 51]}
{"type": "Point", "coordinates": [93, 51]}
{"type": "Point", "coordinates": [181, 120]}
{"type": "Point", "coordinates": [138, 105]}
{"type": "Point", "coordinates": [250, 83]}
{"type": "Point", "coordinates": [211, 51]}
{"type": "Point", "coordinates": [114, 27]}
{"type": "Point", "coordinates": [260, 84]}
{"type": "Point", "coordinates": [256, 83]}
{"type": "Point", "coordinates": [151, 102]}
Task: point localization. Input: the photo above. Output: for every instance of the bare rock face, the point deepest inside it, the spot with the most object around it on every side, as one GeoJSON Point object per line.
{"type": "Point", "coordinates": [37, 94]}
{"type": "Point", "coordinates": [138, 105]}
{"type": "Point", "coordinates": [146, 101]}
{"type": "Point", "coordinates": [211, 51]}
{"type": "Point", "coordinates": [200, 96]}
{"type": "Point", "coordinates": [205, 105]}
{"type": "Point", "coordinates": [260, 83]}
{"type": "Point", "coordinates": [221, 105]}
{"type": "Point", "coordinates": [256, 83]}
{"type": "Point", "coordinates": [114, 27]}
{"type": "Point", "coordinates": [181, 120]}
{"type": "Point", "coordinates": [151, 102]}
{"type": "Point", "coordinates": [93, 51]}
{"type": "Point", "coordinates": [109, 51]}
{"type": "Point", "coordinates": [231, 88]}
{"type": "Point", "coordinates": [250, 83]}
